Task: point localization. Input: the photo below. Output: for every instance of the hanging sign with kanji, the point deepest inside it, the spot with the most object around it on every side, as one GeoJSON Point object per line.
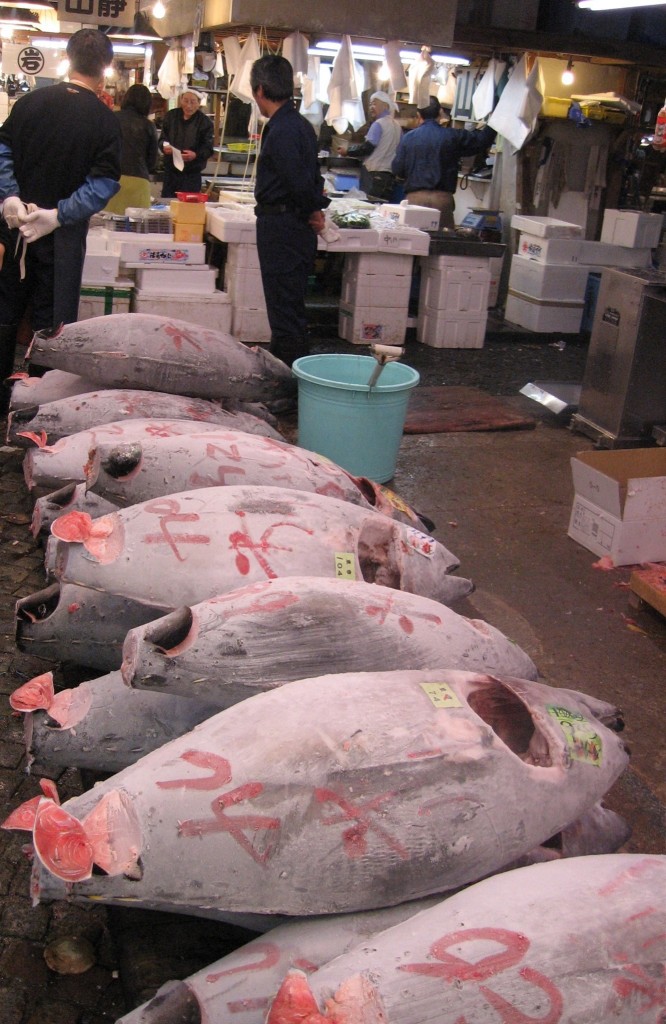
{"type": "Point", "coordinates": [118, 13]}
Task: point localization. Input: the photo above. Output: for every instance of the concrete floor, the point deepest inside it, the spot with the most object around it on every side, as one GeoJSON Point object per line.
{"type": "Point", "coordinates": [501, 502]}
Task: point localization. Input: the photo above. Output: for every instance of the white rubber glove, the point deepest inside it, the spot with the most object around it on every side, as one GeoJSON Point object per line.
{"type": "Point", "coordinates": [14, 211]}
{"type": "Point", "coordinates": [39, 223]}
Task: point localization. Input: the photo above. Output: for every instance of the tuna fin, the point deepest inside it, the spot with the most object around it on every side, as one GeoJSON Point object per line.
{"type": "Point", "coordinates": [113, 831]}
{"type": "Point", "coordinates": [40, 439]}
{"type": "Point", "coordinates": [35, 694]}
{"type": "Point", "coordinates": [295, 1003]}
{"type": "Point", "coordinates": [24, 817]}
{"type": "Point", "coordinates": [61, 843]}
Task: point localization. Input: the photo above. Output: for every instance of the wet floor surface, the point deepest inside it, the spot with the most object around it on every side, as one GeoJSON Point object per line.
{"type": "Point", "coordinates": [501, 502]}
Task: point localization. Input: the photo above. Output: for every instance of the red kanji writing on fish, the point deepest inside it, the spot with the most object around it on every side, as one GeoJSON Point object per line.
{"type": "Point", "coordinates": [220, 775]}
{"type": "Point", "coordinates": [167, 509]}
{"type": "Point", "coordinates": [355, 838]}
{"type": "Point", "coordinates": [179, 336]}
{"type": "Point", "coordinates": [646, 992]}
{"type": "Point", "coordinates": [454, 969]}
{"type": "Point", "coordinates": [382, 609]}
{"type": "Point", "coordinates": [239, 540]}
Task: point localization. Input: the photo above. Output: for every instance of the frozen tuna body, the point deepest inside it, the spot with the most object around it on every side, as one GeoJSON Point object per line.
{"type": "Point", "coordinates": [93, 409]}
{"type": "Point", "coordinates": [234, 645]}
{"type": "Point", "coordinates": [64, 622]}
{"type": "Point", "coordinates": [100, 724]}
{"type": "Point", "coordinates": [70, 498]}
{"type": "Point", "coordinates": [50, 387]}
{"type": "Point", "coordinates": [137, 471]}
{"type": "Point", "coordinates": [318, 815]}
{"type": "Point", "coordinates": [192, 545]}
{"type": "Point", "coordinates": [509, 949]}
{"type": "Point", "coordinates": [65, 461]}
{"type": "Point", "coordinates": [155, 353]}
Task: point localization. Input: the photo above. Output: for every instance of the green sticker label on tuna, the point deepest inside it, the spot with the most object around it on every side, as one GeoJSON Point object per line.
{"type": "Point", "coordinates": [582, 739]}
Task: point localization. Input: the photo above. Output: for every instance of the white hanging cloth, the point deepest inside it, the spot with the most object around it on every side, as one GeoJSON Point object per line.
{"type": "Point", "coordinates": [240, 85]}
{"type": "Point", "coordinates": [171, 72]}
{"type": "Point", "coordinates": [518, 107]}
{"type": "Point", "coordinates": [419, 78]}
{"type": "Point", "coordinates": [232, 52]}
{"type": "Point", "coordinates": [219, 65]}
{"type": "Point", "coordinates": [295, 49]}
{"type": "Point", "coordinates": [311, 107]}
{"type": "Point", "coordinates": [343, 92]}
{"type": "Point", "coordinates": [395, 66]}
{"type": "Point", "coordinates": [446, 93]}
{"type": "Point", "coordinates": [483, 99]}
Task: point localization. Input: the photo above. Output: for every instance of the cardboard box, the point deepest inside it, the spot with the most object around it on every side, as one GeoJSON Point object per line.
{"type": "Point", "coordinates": [546, 227]}
{"type": "Point", "coordinates": [213, 311]}
{"type": "Point", "coordinates": [547, 280]}
{"type": "Point", "coordinates": [630, 228]}
{"type": "Point", "coordinates": [545, 316]}
{"type": "Point", "coordinates": [188, 213]}
{"type": "Point", "coordinates": [187, 232]}
{"type": "Point", "coordinates": [549, 250]}
{"type": "Point", "coordinates": [619, 507]}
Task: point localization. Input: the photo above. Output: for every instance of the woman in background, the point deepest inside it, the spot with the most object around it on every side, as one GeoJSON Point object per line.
{"type": "Point", "coordinates": [190, 131]}
{"type": "Point", "coordinates": [139, 151]}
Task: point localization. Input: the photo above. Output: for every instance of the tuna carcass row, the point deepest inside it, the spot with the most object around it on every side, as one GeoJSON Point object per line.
{"type": "Point", "coordinates": [54, 420]}
{"type": "Point", "coordinates": [134, 565]}
{"type": "Point", "coordinates": [571, 940]}
{"type": "Point", "coordinates": [374, 789]}
{"type": "Point", "coordinates": [234, 645]}
{"type": "Point", "coordinates": [157, 353]}
{"type": "Point", "coordinates": [50, 387]}
{"type": "Point", "coordinates": [136, 471]}
{"type": "Point", "coordinates": [239, 986]}
{"type": "Point", "coordinates": [66, 461]}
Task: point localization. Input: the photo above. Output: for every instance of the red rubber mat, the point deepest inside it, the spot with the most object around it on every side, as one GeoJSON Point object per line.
{"type": "Point", "coordinates": [443, 409]}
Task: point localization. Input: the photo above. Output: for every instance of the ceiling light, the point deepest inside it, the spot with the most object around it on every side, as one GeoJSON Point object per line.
{"type": "Point", "coordinates": [29, 5]}
{"type": "Point", "coordinates": [617, 5]}
{"type": "Point", "coordinates": [568, 75]}
{"type": "Point", "coordinates": [159, 10]}
{"type": "Point", "coordinates": [363, 51]}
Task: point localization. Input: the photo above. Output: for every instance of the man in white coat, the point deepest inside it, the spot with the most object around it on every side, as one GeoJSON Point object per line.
{"type": "Point", "coordinates": [379, 148]}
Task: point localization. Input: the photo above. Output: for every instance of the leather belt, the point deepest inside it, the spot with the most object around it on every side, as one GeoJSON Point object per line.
{"type": "Point", "coordinates": [272, 208]}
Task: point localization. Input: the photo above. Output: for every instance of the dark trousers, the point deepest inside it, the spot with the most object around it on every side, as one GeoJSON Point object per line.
{"type": "Point", "coordinates": [286, 247]}
{"type": "Point", "coordinates": [179, 181]}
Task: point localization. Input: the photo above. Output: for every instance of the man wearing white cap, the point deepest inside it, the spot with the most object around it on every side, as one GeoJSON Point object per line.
{"type": "Point", "coordinates": [379, 147]}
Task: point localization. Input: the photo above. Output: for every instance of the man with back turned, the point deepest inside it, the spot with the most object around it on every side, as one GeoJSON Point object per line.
{"type": "Point", "coordinates": [289, 194]}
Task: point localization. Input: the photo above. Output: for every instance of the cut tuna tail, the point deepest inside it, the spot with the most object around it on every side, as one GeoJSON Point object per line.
{"type": "Point", "coordinates": [355, 1002]}
{"type": "Point", "coordinates": [35, 694]}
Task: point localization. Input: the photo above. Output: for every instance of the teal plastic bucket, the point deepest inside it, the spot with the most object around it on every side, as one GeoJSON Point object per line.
{"type": "Point", "coordinates": [340, 417]}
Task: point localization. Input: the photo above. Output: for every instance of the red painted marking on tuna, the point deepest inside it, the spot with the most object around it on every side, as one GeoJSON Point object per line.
{"type": "Point", "coordinates": [406, 623]}
{"type": "Point", "coordinates": [179, 337]}
{"type": "Point", "coordinates": [641, 986]}
{"type": "Point", "coordinates": [234, 826]}
{"type": "Point", "coordinates": [242, 1005]}
{"type": "Point", "coordinates": [167, 509]}
{"type": "Point", "coordinates": [453, 968]}
{"type": "Point", "coordinates": [355, 838]}
{"type": "Point", "coordinates": [239, 540]}
{"type": "Point", "coordinates": [415, 754]}
{"type": "Point", "coordinates": [270, 958]}
{"type": "Point", "coordinates": [628, 875]}
{"type": "Point", "coordinates": [219, 766]}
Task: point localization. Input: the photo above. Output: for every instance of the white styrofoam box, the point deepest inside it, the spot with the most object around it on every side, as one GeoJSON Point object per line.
{"type": "Point", "coordinates": [549, 250]}
{"type": "Point", "coordinates": [100, 268]}
{"type": "Point", "coordinates": [244, 287]}
{"type": "Point", "coordinates": [495, 264]}
{"type": "Point", "coordinates": [444, 329]}
{"type": "Point", "coordinates": [243, 256]}
{"type": "Point", "coordinates": [629, 227]}
{"type": "Point", "coordinates": [156, 250]}
{"type": "Point", "coordinates": [547, 280]}
{"type": "Point", "coordinates": [543, 315]}
{"type": "Point", "coordinates": [394, 263]}
{"type": "Point", "coordinates": [400, 238]}
{"type": "Point", "coordinates": [352, 240]}
{"type": "Point", "coordinates": [456, 289]}
{"type": "Point", "coordinates": [365, 325]}
{"type": "Point", "coordinates": [104, 299]}
{"type": "Point", "coordinates": [446, 261]}
{"type": "Point", "coordinates": [176, 280]}
{"type": "Point", "coordinates": [376, 290]}
{"type": "Point", "coordinates": [97, 240]}
{"type": "Point", "coordinates": [226, 228]}
{"type": "Point", "coordinates": [603, 254]}
{"type": "Point", "coordinates": [212, 311]}
{"type": "Point", "coordinates": [546, 227]}
{"type": "Point", "coordinates": [422, 217]}
{"type": "Point", "coordinates": [619, 506]}
{"type": "Point", "coordinates": [250, 325]}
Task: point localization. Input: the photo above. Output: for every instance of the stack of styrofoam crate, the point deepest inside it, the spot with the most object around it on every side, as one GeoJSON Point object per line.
{"type": "Point", "coordinates": [236, 224]}
{"type": "Point", "coordinates": [546, 285]}
{"type": "Point", "coordinates": [374, 298]}
{"type": "Point", "coordinates": [103, 291]}
{"type": "Point", "coordinates": [453, 301]}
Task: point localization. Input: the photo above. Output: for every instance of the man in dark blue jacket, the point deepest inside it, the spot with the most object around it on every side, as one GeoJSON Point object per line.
{"type": "Point", "coordinates": [59, 164]}
{"type": "Point", "coordinates": [428, 159]}
{"type": "Point", "coordinates": [289, 194]}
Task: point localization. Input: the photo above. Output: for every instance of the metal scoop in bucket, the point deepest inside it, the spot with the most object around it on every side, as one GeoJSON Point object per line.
{"type": "Point", "coordinates": [383, 354]}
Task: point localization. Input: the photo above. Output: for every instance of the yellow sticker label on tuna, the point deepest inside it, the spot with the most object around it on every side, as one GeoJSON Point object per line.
{"type": "Point", "coordinates": [345, 567]}
{"type": "Point", "coordinates": [441, 695]}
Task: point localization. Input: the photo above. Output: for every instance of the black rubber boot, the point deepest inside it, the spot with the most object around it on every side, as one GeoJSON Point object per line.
{"type": "Point", "coordinates": [7, 355]}
{"type": "Point", "coordinates": [289, 349]}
